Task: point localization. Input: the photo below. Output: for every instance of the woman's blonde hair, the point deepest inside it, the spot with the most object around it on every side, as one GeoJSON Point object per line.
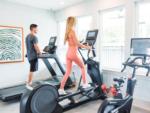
{"type": "Point", "coordinates": [70, 23]}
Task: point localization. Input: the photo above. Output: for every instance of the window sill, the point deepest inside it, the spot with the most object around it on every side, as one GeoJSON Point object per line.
{"type": "Point", "coordinates": [112, 69]}
{"type": "Point", "coordinates": [128, 71]}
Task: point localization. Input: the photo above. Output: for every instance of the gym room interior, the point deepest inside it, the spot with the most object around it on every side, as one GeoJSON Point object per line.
{"type": "Point", "coordinates": [110, 37]}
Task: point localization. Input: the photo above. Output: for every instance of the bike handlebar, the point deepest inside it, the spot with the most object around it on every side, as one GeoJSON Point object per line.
{"type": "Point", "coordinates": [134, 65]}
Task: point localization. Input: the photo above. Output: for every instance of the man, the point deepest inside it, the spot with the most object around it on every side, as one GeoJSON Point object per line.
{"type": "Point", "coordinates": [32, 52]}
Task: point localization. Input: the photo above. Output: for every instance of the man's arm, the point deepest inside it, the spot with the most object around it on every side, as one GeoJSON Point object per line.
{"type": "Point", "coordinates": [36, 46]}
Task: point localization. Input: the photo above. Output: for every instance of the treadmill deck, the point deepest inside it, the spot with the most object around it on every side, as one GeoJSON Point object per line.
{"type": "Point", "coordinates": [15, 92]}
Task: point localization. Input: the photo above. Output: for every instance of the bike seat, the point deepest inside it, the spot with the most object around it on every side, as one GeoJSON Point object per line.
{"type": "Point", "coordinates": [119, 80]}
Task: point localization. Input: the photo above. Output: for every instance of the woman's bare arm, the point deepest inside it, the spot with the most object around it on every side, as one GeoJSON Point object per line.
{"type": "Point", "coordinates": [77, 42]}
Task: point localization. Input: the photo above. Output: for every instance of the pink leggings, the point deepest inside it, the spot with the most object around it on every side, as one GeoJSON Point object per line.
{"type": "Point", "coordinates": [72, 56]}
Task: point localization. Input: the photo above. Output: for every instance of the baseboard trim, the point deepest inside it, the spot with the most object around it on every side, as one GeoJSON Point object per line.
{"type": "Point", "coordinates": [141, 104]}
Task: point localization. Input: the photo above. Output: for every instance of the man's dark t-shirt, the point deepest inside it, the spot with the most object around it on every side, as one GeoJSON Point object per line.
{"type": "Point", "coordinates": [31, 52]}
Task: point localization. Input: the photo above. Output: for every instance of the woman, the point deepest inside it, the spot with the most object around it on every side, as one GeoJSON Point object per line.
{"type": "Point", "coordinates": [72, 54]}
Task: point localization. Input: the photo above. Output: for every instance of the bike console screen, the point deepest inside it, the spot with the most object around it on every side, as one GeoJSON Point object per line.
{"type": "Point", "coordinates": [140, 46]}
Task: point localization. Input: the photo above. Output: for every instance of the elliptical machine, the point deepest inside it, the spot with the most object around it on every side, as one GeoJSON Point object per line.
{"type": "Point", "coordinates": [45, 98]}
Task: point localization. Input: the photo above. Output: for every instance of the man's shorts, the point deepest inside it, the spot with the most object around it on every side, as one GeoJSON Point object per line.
{"type": "Point", "coordinates": [33, 65]}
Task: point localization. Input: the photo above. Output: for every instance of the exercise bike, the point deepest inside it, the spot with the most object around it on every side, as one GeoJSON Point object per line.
{"type": "Point", "coordinates": [139, 58]}
{"type": "Point", "coordinates": [115, 89]}
{"type": "Point", "coordinates": [120, 104]}
{"type": "Point", "coordinates": [45, 98]}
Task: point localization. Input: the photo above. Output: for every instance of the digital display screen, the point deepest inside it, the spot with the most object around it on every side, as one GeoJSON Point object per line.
{"type": "Point", "coordinates": [140, 46]}
{"type": "Point", "coordinates": [91, 34]}
{"type": "Point", "coordinates": [91, 37]}
{"type": "Point", "coordinates": [52, 40]}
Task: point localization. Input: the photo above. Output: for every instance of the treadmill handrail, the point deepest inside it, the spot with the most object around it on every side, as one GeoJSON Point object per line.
{"type": "Point", "coordinates": [46, 55]}
{"type": "Point", "coordinates": [54, 56]}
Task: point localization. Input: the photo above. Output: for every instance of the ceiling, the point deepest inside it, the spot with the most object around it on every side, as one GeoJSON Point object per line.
{"type": "Point", "coordinates": [48, 4]}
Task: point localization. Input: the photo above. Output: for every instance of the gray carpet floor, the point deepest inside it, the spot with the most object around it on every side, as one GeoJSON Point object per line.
{"type": "Point", "coordinates": [91, 107]}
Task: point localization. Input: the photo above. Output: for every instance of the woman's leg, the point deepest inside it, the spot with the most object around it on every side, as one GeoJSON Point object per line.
{"type": "Point", "coordinates": [80, 63]}
{"type": "Point", "coordinates": [68, 71]}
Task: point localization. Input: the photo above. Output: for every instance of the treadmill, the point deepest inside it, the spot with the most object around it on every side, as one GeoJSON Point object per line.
{"type": "Point", "coordinates": [50, 53]}
{"type": "Point", "coordinates": [12, 93]}
{"type": "Point", "coordinates": [15, 92]}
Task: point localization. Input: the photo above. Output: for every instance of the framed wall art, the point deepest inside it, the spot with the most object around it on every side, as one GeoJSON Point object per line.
{"type": "Point", "coordinates": [11, 44]}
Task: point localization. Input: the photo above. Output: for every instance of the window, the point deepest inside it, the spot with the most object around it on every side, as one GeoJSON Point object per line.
{"type": "Point", "coordinates": [62, 28]}
{"type": "Point", "coordinates": [61, 47]}
{"type": "Point", "coordinates": [112, 38]}
{"type": "Point", "coordinates": [83, 25]}
{"type": "Point", "coordinates": [143, 9]}
{"type": "Point", "coordinates": [143, 25]}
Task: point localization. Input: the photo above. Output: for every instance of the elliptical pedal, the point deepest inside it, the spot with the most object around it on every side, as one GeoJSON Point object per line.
{"type": "Point", "coordinates": [67, 93]}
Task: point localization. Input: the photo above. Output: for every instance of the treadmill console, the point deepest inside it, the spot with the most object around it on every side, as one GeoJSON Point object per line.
{"type": "Point", "coordinates": [91, 37]}
{"type": "Point", "coordinates": [52, 41]}
{"type": "Point", "coordinates": [51, 48]}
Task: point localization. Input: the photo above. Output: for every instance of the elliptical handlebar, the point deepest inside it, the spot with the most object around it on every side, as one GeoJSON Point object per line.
{"type": "Point", "coordinates": [93, 52]}
{"type": "Point", "coordinates": [90, 40]}
{"type": "Point", "coordinates": [124, 64]}
{"type": "Point", "coordinates": [88, 53]}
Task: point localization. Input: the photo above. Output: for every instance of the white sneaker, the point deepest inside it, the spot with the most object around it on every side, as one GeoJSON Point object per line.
{"type": "Point", "coordinates": [86, 86]}
{"type": "Point", "coordinates": [62, 92]}
{"type": "Point", "coordinates": [29, 87]}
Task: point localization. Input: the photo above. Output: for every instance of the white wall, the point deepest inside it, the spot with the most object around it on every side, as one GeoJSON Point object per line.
{"type": "Point", "coordinates": [18, 15]}
{"type": "Point", "coordinates": [94, 7]}
{"type": "Point", "coordinates": [88, 7]}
